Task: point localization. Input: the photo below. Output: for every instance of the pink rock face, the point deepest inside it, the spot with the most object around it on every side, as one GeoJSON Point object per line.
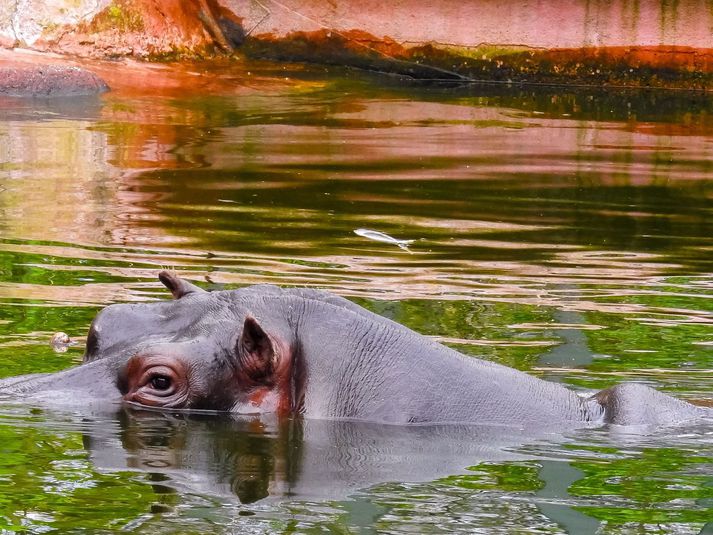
{"type": "Point", "coordinates": [545, 24]}
{"type": "Point", "coordinates": [648, 43]}
{"type": "Point", "coordinates": [48, 81]}
{"type": "Point", "coordinates": [582, 42]}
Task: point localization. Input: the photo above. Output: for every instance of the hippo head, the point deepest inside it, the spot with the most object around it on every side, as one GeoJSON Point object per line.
{"type": "Point", "coordinates": [224, 351]}
{"type": "Point", "coordinates": [200, 351]}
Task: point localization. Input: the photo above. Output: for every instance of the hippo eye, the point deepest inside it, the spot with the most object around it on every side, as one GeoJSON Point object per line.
{"type": "Point", "coordinates": [160, 382]}
{"type": "Point", "coordinates": [157, 381]}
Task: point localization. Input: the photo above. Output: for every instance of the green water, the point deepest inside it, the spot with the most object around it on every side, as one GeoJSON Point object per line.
{"type": "Point", "coordinates": [566, 234]}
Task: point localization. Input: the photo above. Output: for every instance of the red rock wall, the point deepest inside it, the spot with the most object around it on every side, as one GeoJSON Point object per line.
{"type": "Point", "coordinates": [656, 43]}
{"type": "Point", "coordinates": [142, 28]}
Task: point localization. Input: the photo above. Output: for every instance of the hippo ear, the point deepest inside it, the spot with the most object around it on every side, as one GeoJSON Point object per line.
{"type": "Point", "coordinates": [255, 351]}
{"type": "Point", "coordinates": [177, 285]}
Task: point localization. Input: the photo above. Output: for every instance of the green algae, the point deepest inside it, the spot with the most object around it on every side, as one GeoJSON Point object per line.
{"type": "Point", "coordinates": [118, 16]}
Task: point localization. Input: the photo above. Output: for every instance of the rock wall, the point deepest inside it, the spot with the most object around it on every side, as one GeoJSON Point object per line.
{"type": "Point", "coordinates": [111, 28]}
{"type": "Point", "coordinates": [24, 22]}
{"type": "Point", "coordinates": [656, 43]}
{"type": "Point", "coordinates": [475, 23]}
{"type": "Point", "coordinates": [652, 43]}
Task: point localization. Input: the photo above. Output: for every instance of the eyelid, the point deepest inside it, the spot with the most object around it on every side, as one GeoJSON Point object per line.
{"type": "Point", "coordinates": [155, 371]}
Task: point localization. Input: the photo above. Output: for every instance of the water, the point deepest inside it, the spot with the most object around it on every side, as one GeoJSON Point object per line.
{"type": "Point", "coordinates": [566, 234]}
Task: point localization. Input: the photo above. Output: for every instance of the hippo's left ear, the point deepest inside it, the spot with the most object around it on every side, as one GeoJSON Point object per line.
{"type": "Point", "coordinates": [256, 352]}
{"type": "Point", "coordinates": [177, 285]}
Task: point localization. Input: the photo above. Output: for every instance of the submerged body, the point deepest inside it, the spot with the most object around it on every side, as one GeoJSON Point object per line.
{"type": "Point", "coordinates": [263, 349]}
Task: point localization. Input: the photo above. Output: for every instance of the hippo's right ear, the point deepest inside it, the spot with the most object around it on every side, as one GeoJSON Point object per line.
{"type": "Point", "coordinates": [177, 285]}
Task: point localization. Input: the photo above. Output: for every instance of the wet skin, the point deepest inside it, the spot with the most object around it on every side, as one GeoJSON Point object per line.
{"type": "Point", "coordinates": [263, 349]}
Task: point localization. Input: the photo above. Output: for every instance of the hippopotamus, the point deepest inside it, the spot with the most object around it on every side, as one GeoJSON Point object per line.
{"type": "Point", "coordinates": [312, 354]}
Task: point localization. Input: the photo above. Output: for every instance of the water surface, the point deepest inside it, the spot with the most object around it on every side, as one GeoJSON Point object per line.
{"type": "Point", "coordinates": [568, 234]}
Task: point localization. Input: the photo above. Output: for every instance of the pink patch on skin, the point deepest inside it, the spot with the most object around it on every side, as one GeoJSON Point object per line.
{"type": "Point", "coordinates": [259, 401]}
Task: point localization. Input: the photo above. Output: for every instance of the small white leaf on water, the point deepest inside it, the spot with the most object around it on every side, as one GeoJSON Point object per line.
{"type": "Point", "coordinates": [382, 237]}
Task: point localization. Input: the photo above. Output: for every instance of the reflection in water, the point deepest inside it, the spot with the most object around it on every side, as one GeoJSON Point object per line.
{"type": "Point", "coordinates": [565, 213]}
{"type": "Point", "coordinates": [567, 234]}
{"type": "Point", "coordinates": [312, 459]}
{"type": "Point", "coordinates": [249, 471]}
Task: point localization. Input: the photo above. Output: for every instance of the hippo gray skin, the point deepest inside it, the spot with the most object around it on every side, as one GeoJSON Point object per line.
{"type": "Point", "coordinates": [262, 349]}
